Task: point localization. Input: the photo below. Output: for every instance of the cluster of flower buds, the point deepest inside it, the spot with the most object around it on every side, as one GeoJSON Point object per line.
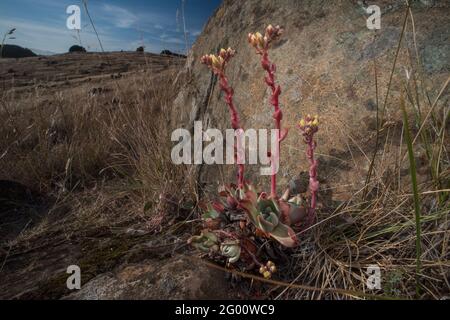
{"type": "Point", "coordinates": [309, 125]}
{"type": "Point", "coordinates": [217, 62]}
{"type": "Point", "coordinates": [268, 270]}
{"type": "Point", "coordinates": [260, 42]}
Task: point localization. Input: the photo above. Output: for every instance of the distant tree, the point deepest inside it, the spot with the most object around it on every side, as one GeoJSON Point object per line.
{"type": "Point", "coordinates": [170, 53]}
{"type": "Point", "coordinates": [140, 49]}
{"type": "Point", "coordinates": [13, 51]}
{"type": "Point", "coordinates": [77, 48]}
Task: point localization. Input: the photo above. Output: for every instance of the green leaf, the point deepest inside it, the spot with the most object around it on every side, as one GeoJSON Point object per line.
{"type": "Point", "coordinates": [413, 173]}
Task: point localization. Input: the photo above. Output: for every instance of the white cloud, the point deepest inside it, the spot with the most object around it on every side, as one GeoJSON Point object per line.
{"type": "Point", "coordinates": [120, 17]}
{"type": "Point", "coordinates": [172, 40]}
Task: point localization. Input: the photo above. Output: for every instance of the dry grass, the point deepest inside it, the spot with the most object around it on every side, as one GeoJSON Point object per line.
{"type": "Point", "coordinates": [380, 232]}
{"type": "Point", "coordinates": [97, 152]}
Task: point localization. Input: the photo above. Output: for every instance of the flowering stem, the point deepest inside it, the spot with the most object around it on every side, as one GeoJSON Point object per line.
{"type": "Point", "coordinates": [309, 126]}
{"type": "Point", "coordinates": [217, 64]}
{"type": "Point", "coordinates": [313, 182]}
{"type": "Point", "coordinates": [270, 68]}
{"type": "Point", "coordinates": [235, 123]}
{"type": "Point", "coordinates": [262, 44]}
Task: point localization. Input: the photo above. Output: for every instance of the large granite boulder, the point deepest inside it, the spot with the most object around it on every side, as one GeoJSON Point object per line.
{"type": "Point", "coordinates": [325, 63]}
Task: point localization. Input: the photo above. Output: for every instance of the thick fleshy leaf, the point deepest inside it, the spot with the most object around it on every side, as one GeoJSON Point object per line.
{"type": "Point", "coordinates": [285, 209]}
{"type": "Point", "coordinates": [297, 214]}
{"type": "Point", "coordinates": [267, 203]}
{"type": "Point", "coordinates": [285, 235]}
{"type": "Point", "coordinates": [206, 241]}
{"type": "Point", "coordinates": [251, 210]}
{"type": "Point", "coordinates": [266, 225]}
{"type": "Point", "coordinates": [231, 250]}
{"type": "Point", "coordinates": [210, 235]}
{"type": "Point", "coordinates": [209, 243]}
{"type": "Point", "coordinates": [268, 215]}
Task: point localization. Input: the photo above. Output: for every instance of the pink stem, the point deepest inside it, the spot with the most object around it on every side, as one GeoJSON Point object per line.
{"type": "Point", "coordinates": [313, 182]}
{"type": "Point", "coordinates": [277, 115]}
{"type": "Point", "coordinates": [235, 122]}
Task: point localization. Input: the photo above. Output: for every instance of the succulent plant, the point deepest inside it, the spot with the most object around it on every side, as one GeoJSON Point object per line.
{"type": "Point", "coordinates": [231, 249]}
{"type": "Point", "coordinates": [207, 241]}
{"type": "Point", "coordinates": [228, 224]}
{"type": "Point", "coordinates": [267, 216]}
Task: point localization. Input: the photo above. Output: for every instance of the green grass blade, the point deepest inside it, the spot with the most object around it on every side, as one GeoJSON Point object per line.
{"type": "Point", "coordinates": [412, 170]}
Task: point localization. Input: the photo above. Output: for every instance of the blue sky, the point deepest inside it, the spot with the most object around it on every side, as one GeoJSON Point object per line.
{"type": "Point", "coordinates": [122, 25]}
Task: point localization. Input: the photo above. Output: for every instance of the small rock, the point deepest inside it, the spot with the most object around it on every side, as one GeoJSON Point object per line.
{"type": "Point", "coordinates": [176, 278]}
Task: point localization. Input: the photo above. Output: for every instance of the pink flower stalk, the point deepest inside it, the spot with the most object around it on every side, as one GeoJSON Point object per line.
{"type": "Point", "coordinates": [309, 126]}
{"type": "Point", "coordinates": [262, 44]}
{"type": "Point", "coordinates": [217, 64]}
